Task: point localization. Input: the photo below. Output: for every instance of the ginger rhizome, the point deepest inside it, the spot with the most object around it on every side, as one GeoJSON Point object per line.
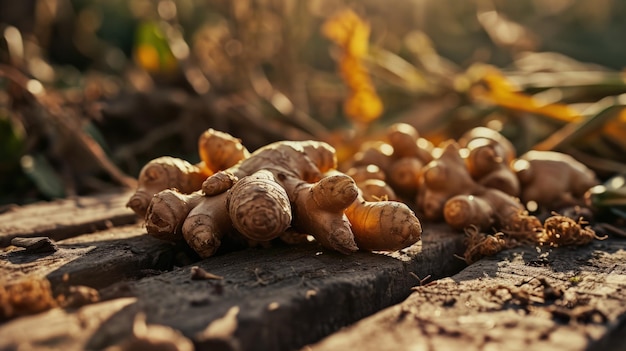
{"type": "Point", "coordinates": [289, 190]}
{"type": "Point", "coordinates": [397, 160]}
{"type": "Point", "coordinates": [553, 180]}
{"type": "Point", "coordinates": [217, 150]}
{"type": "Point", "coordinates": [165, 173]}
{"type": "Point", "coordinates": [475, 186]}
{"type": "Point", "coordinates": [284, 186]}
{"type": "Point", "coordinates": [488, 158]}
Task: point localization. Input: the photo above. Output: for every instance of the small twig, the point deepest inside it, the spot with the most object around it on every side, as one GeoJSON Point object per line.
{"type": "Point", "coordinates": [422, 281]}
{"type": "Point", "coordinates": [198, 273]}
{"type": "Point", "coordinates": [259, 280]}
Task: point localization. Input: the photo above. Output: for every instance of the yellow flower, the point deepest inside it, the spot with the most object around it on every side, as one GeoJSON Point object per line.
{"type": "Point", "coordinates": [363, 106]}
{"type": "Point", "coordinates": [502, 92]}
{"type": "Point", "coordinates": [351, 33]}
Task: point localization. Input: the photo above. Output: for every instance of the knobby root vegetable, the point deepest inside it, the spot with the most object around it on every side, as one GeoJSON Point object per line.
{"type": "Point", "coordinates": [553, 180]}
{"type": "Point", "coordinates": [165, 173]}
{"type": "Point", "coordinates": [320, 210]}
{"type": "Point", "coordinates": [441, 179]}
{"type": "Point", "coordinates": [259, 206]}
{"type": "Point", "coordinates": [167, 211]}
{"type": "Point", "coordinates": [383, 225]}
{"type": "Point", "coordinates": [507, 148]}
{"type": "Point", "coordinates": [282, 189]}
{"type": "Point", "coordinates": [363, 173]}
{"type": "Point", "coordinates": [371, 180]}
{"type": "Point", "coordinates": [489, 208]}
{"type": "Point", "coordinates": [376, 190]}
{"type": "Point", "coordinates": [400, 156]}
{"type": "Point", "coordinates": [489, 156]}
{"type": "Point", "coordinates": [376, 153]}
{"type": "Point", "coordinates": [406, 142]}
{"type": "Point", "coordinates": [298, 168]}
{"type": "Point", "coordinates": [404, 174]}
{"type": "Point", "coordinates": [219, 150]}
{"type": "Point", "coordinates": [206, 225]}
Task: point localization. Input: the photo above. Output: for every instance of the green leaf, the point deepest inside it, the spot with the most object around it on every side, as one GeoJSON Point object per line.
{"type": "Point", "coordinates": [11, 143]}
{"type": "Point", "coordinates": [610, 197]}
{"type": "Point", "coordinates": [41, 172]}
{"type": "Point", "coordinates": [152, 50]}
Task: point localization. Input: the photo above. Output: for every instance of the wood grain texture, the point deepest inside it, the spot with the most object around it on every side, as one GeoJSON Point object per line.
{"type": "Point", "coordinates": [65, 218]}
{"type": "Point", "coordinates": [555, 299]}
{"type": "Point", "coordinates": [96, 260]}
{"type": "Point", "coordinates": [277, 298]}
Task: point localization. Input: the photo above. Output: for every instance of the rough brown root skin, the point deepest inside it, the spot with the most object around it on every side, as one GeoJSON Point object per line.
{"type": "Point", "coordinates": [334, 192]}
{"type": "Point", "coordinates": [374, 153]}
{"type": "Point", "coordinates": [219, 150]}
{"type": "Point", "coordinates": [330, 228]}
{"type": "Point", "coordinates": [488, 163]}
{"type": "Point", "coordinates": [167, 212]}
{"type": "Point", "coordinates": [306, 160]}
{"type": "Point", "coordinates": [259, 207]}
{"type": "Point", "coordinates": [206, 225]}
{"type": "Point", "coordinates": [384, 225]}
{"type": "Point", "coordinates": [406, 142]}
{"type": "Point", "coordinates": [442, 179]}
{"type": "Point", "coordinates": [552, 179]}
{"type": "Point", "coordinates": [503, 180]}
{"type": "Point", "coordinates": [403, 138]}
{"type": "Point", "coordinates": [218, 183]}
{"type": "Point", "coordinates": [487, 133]}
{"type": "Point", "coordinates": [463, 211]}
{"type": "Point", "coordinates": [404, 175]}
{"type": "Point", "coordinates": [322, 155]}
{"type": "Point", "coordinates": [363, 173]}
{"type": "Point", "coordinates": [509, 212]}
{"type": "Point", "coordinates": [377, 190]}
{"type": "Point", "coordinates": [164, 173]}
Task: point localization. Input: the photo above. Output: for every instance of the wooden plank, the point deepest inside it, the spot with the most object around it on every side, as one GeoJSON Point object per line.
{"type": "Point", "coordinates": [65, 218]}
{"type": "Point", "coordinates": [561, 299]}
{"type": "Point", "coordinates": [277, 298]}
{"type": "Point", "coordinates": [60, 329]}
{"type": "Point", "coordinates": [95, 260]}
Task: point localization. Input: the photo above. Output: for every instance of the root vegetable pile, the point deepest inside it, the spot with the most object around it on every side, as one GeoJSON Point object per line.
{"type": "Point", "coordinates": [284, 190]}
{"type": "Point", "coordinates": [479, 186]}
{"type": "Point", "coordinates": [288, 190]}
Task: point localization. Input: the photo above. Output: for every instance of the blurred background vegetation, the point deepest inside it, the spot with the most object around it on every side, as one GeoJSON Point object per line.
{"type": "Point", "coordinates": [90, 90]}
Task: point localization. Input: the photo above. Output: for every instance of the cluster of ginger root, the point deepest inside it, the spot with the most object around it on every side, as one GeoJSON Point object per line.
{"type": "Point", "coordinates": [477, 184]}
{"type": "Point", "coordinates": [288, 190]}
{"type": "Point", "coordinates": [284, 190]}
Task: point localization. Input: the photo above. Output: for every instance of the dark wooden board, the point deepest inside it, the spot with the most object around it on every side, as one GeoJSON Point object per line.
{"type": "Point", "coordinates": [556, 299]}
{"type": "Point", "coordinates": [286, 297]}
{"type": "Point", "coordinates": [65, 218]}
{"type": "Point", "coordinates": [96, 260]}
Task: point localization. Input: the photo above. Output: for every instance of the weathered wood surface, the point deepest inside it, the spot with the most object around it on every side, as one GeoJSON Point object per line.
{"type": "Point", "coordinates": [560, 299]}
{"type": "Point", "coordinates": [96, 260]}
{"type": "Point", "coordinates": [281, 298]}
{"type": "Point", "coordinates": [65, 218]}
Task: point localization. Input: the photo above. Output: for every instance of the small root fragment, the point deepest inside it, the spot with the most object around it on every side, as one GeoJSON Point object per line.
{"type": "Point", "coordinates": [198, 273]}
{"type": "Point", "coordinates": [562, 231]}
{"type": "Point", "coordinates": [26, 297]}
{"type": "Point", "coordinates": [479, 245]}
